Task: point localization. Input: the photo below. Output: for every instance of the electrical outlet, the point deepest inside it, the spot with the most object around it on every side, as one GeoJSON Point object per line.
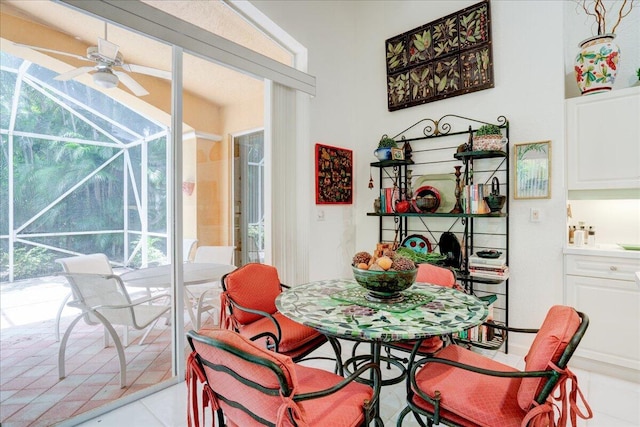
{"type": "Point", "coordinates": [535, 215]}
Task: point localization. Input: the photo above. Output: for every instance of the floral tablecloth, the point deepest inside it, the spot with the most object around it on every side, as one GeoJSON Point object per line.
{"type": "Point", "coordinates": [315, 304]}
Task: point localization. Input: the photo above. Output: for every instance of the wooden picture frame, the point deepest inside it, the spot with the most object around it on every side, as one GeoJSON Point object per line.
{"type": "Point", "coordinates": [397, 154]}
{"type": "Point", "coordinates": [334, 175]}
{"type": "Point", "coordinates": [532, 170]}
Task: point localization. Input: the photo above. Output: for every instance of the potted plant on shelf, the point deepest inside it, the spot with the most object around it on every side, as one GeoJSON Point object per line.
{"type": "Point", "coordinates": [596, 65]}
{"type": "Point", "coordinates": [488, 138]}
{"type": "Point", "coordinates": [383, 152]}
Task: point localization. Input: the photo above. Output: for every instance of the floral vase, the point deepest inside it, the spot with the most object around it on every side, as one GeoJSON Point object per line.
{"type": "Point", "coordinates": [596, 65]}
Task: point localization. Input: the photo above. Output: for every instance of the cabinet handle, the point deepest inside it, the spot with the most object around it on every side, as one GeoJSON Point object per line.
{"type": "Point", "coordinates": [613, 268]}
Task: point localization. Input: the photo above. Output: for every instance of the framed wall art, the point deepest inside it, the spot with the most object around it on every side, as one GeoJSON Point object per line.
{"type": "Point", "coordinates": [532, 170]}
{"type": "Point", "coordinates": [447, 57]}
{"type": "Point", "coordinates": [334, 175]}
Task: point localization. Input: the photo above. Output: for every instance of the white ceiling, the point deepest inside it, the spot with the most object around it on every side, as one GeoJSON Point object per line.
{"type": "Point", "coordinates": [215, 83]}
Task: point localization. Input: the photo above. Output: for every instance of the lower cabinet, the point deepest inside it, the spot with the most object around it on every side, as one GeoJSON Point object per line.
{"type": "Point", "coordinates": [606, 290]}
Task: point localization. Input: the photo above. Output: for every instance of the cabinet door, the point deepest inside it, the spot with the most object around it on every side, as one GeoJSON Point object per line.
{"type": "Point", "coordinates": [603, 140]}
{"type": "Point", "coordinates": [613, 307]}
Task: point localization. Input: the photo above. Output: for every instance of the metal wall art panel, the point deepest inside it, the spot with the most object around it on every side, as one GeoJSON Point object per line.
{"type": "Point", "coordinates": [447, 57]}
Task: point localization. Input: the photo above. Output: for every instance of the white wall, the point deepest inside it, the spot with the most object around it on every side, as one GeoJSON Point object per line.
{"type": "Point", "coordinates": [345, 41]}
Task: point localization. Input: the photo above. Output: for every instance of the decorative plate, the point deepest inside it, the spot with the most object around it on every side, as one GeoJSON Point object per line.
{"type": "Point", "coordinates": [630, 246]}
{"type": "Point", "coordinates": [426, 190]}
{"type": "Point", "coordinates": [417, 243]}
{"type": "Point", "coordinates": [489, 254]}
{"type": "Point", "coordinates": [446, 186]}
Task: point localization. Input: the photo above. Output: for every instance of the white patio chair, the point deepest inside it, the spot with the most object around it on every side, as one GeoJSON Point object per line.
{"type": "Point", "coordinates": [92, 263]}
{"type": "Point", "coordinates": [187, 248]}
{"type": "Point", "coordinates": [103, 298]}
{"type": "Point", "coordinates": [205, 297]}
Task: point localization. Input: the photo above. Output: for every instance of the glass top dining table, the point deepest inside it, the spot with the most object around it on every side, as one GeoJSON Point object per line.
{"type": "Point", "coordinates": [339, 308]}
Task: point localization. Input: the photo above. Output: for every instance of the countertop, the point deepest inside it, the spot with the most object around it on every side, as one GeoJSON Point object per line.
{"type": "Point", "coordinates": [605, 250]}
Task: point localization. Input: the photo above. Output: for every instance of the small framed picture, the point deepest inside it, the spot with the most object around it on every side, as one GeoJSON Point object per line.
{"type": "Point", "coordinates": [532, 170]}
{"type": "Point", "coordinates": [397, 154]}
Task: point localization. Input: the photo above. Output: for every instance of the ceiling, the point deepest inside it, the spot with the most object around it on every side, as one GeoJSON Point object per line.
{"type": "Point", "coordinates": [215, 83]}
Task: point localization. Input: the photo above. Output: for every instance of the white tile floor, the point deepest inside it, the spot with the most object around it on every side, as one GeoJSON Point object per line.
{"type": "Point", "coordinates": [615, 403]}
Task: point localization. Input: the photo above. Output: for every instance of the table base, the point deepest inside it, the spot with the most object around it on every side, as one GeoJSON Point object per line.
{"type": "Point", "coordinates": [361, 359]}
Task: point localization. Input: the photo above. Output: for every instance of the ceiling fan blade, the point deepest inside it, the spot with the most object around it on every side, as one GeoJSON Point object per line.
{"type": "Point", "coordinates": [133, 85]}
{"type": "Point", "coordinates": [73, 73]}
{"type": "Point", "coordinates": [108, 49]}
{"type": "Point", "coordinates": [155, 72]}
{"type": "Point", "coordinates": [57, 52]}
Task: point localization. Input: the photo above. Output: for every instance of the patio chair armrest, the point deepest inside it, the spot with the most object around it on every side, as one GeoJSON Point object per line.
{"type": "Point", "coordinates": [375, 370]}
{"type": "Point", "coordinates": [509, 328]}
{"type": "Point", "coordinates": [237, 306]}
{"type": "Point", "coordinates": [507, 374]}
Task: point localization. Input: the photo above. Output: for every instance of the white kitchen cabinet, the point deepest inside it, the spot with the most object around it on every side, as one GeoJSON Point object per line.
{"type": "Point", "coordinates": [605, 288]}
{"type": "Point", "coordinates": [603, 140]}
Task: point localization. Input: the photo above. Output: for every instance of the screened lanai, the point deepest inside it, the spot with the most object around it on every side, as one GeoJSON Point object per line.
{"type": "Point", "coordinates": [81, 173]}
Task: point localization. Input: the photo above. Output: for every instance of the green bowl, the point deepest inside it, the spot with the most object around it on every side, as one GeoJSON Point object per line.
{"type": "Point", "coordinates": [385, 285]}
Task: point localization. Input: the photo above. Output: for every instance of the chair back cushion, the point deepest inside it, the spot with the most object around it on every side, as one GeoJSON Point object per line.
{"type": "Point", "coordinates": [253, 286]}
{"type": "Point", "coordinates": [430, 273]}
{"type": "Point", "coordinates": [251, 363]}
{"type": "Point", "coordinates": [550, 342]}
{"type": "Point", "coordinates": [92, 263]}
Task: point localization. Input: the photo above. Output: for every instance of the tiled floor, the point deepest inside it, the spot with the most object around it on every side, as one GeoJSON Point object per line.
{"type": "Point", "coordinates": [32, 395]}
{"type": "Point", "coordinates": [615, 403]}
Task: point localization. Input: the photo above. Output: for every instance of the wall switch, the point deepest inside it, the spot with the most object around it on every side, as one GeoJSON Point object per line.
{"type": "Point", "coordinates": [320, 215]}
{"type": "Point", "coordinates": [535, 215]}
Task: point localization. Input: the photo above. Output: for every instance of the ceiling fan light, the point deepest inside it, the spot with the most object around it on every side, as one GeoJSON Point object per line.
{"type": "Point", "coordinates": [105, 79]}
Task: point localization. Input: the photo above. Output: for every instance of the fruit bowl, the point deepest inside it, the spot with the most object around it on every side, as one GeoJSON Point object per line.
{"type": "Point", "coordinates": [385, 286]}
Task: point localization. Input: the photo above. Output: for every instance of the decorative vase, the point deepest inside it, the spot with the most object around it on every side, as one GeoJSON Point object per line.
{"type": "Point", "coordinates": [596, 65]}
{"type": "Point", "coordinates": [383, 153]}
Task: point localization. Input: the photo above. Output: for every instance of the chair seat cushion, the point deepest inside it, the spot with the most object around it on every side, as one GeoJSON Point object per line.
{"type": "Point", "coordinates": [294, 335]}
{"type": "Point", "coordinates": [480, 399]}
{"type": "Point", "coordinates": [341, 409]}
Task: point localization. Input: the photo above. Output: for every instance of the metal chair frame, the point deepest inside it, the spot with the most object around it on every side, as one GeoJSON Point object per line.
{"type": "Point", "coordinates": [369, 407]}
{"type": "Point", "coordinates": [93, 316]}
{"type": "Point", "coordinates": [335, 344]}
{"type": "Point", "coordinates": [553, 376]}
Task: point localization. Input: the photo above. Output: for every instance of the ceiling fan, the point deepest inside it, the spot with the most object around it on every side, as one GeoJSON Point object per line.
{"type": "Point", "coordinates": [106, 57]}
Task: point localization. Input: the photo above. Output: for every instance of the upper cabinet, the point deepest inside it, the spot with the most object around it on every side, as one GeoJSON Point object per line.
{"type": "Point", "coordinates": [603, 140]}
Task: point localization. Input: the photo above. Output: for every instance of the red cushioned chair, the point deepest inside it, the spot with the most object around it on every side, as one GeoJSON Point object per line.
{"type": "Point", "coordinates": [463, 388]}
{"type": "Point", "coordinates": [441, 276]}
{"type": "Point", "coordinates": [248, 307]}
{"type": "Point", "coordinates": [248, 385]}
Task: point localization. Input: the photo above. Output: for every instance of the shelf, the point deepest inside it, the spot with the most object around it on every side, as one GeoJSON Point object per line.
{"type": "Point", "coordinates": [479, 154]}
{"type": "Point", "coordinates": [471, 230]}
{"type": "Point", "coordinates": [486, 280]}
{"type": "Point", "coordinates": [441, 215]}
{"type": "Point", "coordinates": [389, 163]}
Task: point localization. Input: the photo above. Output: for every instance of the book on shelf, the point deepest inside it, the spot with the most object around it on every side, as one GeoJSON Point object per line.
{"type": "Point", "coordinates": [489, 269]}
{"type": "Point", "coordinates": [489, 275]}
{"type": "Point", "coordinates": [479, 261]}
{"type": "Point", "coordinates": [473, 199]}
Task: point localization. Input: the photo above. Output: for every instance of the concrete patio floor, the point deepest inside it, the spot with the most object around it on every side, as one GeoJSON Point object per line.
{"type": "Point", "coordinates": [31, 394]}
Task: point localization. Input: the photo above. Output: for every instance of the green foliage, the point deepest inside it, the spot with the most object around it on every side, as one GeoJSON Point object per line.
{"type": "Point", "coordinates": [31, 262]}
{"type": "Point", "coordinates": [386, 142]}
{"type": "Point", "coordinates": [488, 130]}
{"type": "Point", "coordinates": [638, 73]}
